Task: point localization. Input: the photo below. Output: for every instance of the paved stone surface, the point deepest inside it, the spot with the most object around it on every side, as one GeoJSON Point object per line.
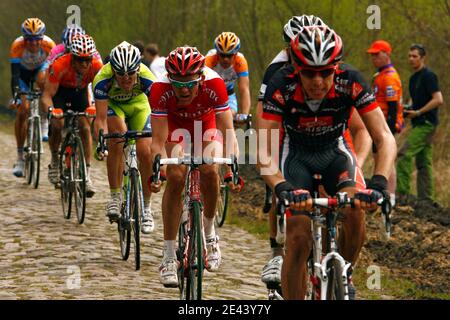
{"type": "Point", "coordinates": [44, 256]}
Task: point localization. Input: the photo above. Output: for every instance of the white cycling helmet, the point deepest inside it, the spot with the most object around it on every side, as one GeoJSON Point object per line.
{"type": "Point", "coordinates": [296, 23]}
{"type": "Point", "coordinates": [125, 57]}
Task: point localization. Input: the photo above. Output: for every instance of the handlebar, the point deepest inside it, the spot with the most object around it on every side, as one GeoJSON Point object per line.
{"type": "Point", "coordinates": [129, 135]}
{"type": "Point", "coordinates": [68, 113]}
{"type": "Point", "coordinates": [30, 94]}
{"type": "Point", "coordinates": [189, 160]}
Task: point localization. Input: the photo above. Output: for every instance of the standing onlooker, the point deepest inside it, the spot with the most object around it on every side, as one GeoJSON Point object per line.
{"type": "Point", "coordinates": [387, 88]}
{"type": "Point", "coordinates": [425, 98]}
{"type": "Point", "coordinates": [154, 61]}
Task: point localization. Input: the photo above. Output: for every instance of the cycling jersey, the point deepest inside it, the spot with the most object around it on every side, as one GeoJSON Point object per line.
{"type": "Point", "coordinates": [387, 87]}
{"type": "Point", "coordinates": [62, 72]}
{"type": "Point", "coordinates": [239, 68]}
{"type": "Point", "coordinates": [285, 102]}
{"type": "Point", "coordinates": [58, 51]}
{"type": "Point", "coordinates": [280, 60]}
{"type": "Point", "coordinates": [132, 107]}
{"type": "Point", "coordinates": [26, 59]}
{"type": "Point", "coordinates": [106, 87]}
{"type": "Point", "coordinates": [211, 99]}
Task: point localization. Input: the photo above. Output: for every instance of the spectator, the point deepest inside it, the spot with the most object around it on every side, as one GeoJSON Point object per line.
{"type": "Point", "coordinates": [425, 98]}
{"type": "Point", "coordinates": [387, 88]}
{"type": "Point", "coordinates": [151, 52]}
{"type": "Point", "coordinates": [155, 62]}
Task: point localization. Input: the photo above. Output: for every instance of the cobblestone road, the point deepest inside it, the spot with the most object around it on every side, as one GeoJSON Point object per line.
{"type": "Point", "coordinates": [43, 255]}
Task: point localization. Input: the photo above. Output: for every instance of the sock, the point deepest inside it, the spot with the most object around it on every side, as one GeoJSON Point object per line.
{"type": "Point", "coordinates": [277, 249]}
{"type": "Point", "coordinates": [169, 249]}
{"type": "Point", "coordinates": [210, 232]}
{"type": "Point", "coordinates": [392, 198]}
{"type": "Point", "coordinates": [147, 203]}
{"type": "Point", "coordinates": [115, 193]}
{"type": "Point", "coordinates": [54, 158]}
{"type": "Point", "coordinates": [20, 153]}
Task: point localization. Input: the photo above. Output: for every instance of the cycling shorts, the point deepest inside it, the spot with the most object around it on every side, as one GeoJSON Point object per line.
{"type": "Point", "coordinates": [232, 102]}
{"type": "Point", "coordinates": [335, 163]}
{"type": "Point", "coordinates": [71, 98]}
{"type": "Point", "coordinates": [28, 76]}
{"type": "Point", "coordinates": [135, 113]}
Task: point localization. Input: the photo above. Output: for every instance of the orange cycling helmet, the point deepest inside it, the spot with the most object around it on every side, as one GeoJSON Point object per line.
{"type": "Point", "coordinates": [33, 28]}
{"type": "Point", "coordinates": [227, 43]}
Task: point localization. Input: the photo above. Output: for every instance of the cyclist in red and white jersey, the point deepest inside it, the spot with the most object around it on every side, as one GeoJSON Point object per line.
{"type": "Point", "coordinates": [190, 95]}
{"type": "Point", "coordinates": [313, 106]}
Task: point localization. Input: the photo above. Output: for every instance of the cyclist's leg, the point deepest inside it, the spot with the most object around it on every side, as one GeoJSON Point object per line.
{"type": "Point", "coordinates": [137, 114]}
{"type": "Point", "coordinates": [79, 102]}
{"type": "Point", "coordinates": [298, 234]}
{"type": "Point", "coordinates": [23, 111]}
{"type": "Point", "coordinates": [115, 161]}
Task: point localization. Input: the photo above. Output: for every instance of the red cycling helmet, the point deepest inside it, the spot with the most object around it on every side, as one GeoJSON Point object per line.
{"type": "Point", "coordinates": [315, 47]}
{"type": "Point", "coordinates": [185, 61]}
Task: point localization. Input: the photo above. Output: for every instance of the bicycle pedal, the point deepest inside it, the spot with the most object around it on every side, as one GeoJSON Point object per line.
{"type": "Point", "coordinates": [273, 286]}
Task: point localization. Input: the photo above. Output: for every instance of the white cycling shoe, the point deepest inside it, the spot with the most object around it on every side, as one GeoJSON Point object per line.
{"type": "Point", "coordinates": [271, 274]}
{"type": "Point", "coordinates": [168, 272]}
{"type": "Point", "coordinates": [214, 257]}
{"type": "Point", "coordinates": [148, 223]}
{"type": "Point", "coordinates": [19, 168]}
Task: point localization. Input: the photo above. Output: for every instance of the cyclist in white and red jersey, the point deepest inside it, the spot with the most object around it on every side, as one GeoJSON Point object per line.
{"type": "Point", "coordinates": [189, 95]}
{"type": "Point", "coordinates": [313, 106]}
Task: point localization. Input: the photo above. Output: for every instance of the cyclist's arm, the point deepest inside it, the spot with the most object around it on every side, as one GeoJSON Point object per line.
{"type": "Point", "coordinates": [160, 131]}
{"type": "Point", "coordinates": [361, 138]}
{"type": "Point", "coordinates": [266, 162]}
{"type": "Point", "coordinates": [101, 110]}
{"type": "Point", "coordinates": [383, 139]}
{"type": "Point", "coordinates": [224, 122]}
{"type": "Point", "coordinates": [244, 94]}
{"type": "Point", "coordinates": [50, 90]}
{"type": "Point", "coordinates": [15, 76]}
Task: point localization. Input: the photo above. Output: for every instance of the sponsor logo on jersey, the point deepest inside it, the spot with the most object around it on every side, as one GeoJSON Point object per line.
{"type": "Point", "coordinates": [278, 97]}
{"type": "Point", "coordinates": [390, 92]}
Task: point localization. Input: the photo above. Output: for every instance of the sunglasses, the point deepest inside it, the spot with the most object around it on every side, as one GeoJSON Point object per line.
{"type": "Point", "coordinates": [82, 59]}
{"type": "Point", "coordinates": [226, 55]}
{"type": "Point", "coordinates": [311, 73]}
{"type": "Point", "coordinates": [37, 39]}
{"type": "Point", "coordinates": [185, 84]}
{"type": "Point", "coordinates": [123, 73]}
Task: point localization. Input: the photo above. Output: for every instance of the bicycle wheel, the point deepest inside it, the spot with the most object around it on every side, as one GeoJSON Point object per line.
{"type": "Point", "coordinates": [136, 212]}
{"type": "Point", "coordinates": [182, 232]}
{"type": "Point", "coordinates": [222, 202]}
{"type": "Point", "coordinates": [66, 176]}
{"type": "Point", "coordinates": [123, 225]}
{"type": "Point", "coordinates": [29, 152]}
{"type": "Point", "coordinates": [79, 179]}
{"type": "Point", "coordinates": [196, 263]}
{"type": "Point", "coordinates": [36, 152]}
{"type": "Point", "coordinates": [335, 288]}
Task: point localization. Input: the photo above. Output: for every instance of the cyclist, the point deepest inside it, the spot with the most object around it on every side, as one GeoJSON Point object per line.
{"type": "Point", "coordinates": [307, 99]}
{"type": "Point", "coordinates": [232, 66]}
{"type": "Point", "coordinates": [357, 133]}
{"type": "Point", "coordinates": [191, 93]}
{"type": "Point", "coordinates": [120, 90]}
{"type": "Point", "coordinates": [66, 88]}
{"type": "Point", "coordinates": [28, 54]}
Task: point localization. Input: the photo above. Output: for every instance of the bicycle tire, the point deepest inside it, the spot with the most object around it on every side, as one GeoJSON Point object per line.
{"type": "Point", "coordinates": [335, 288]}
{"type": "Point", "coordinates": [28, 153]}
{"type": "Point", "coordinates": [180, 257]}
{"type": "Point", "coordinates": [136, 212]}
{"type": "Point", "coordinates": [79, 178]}
{"type": "Point", "coordinates": [123, 224]}
{"type": "Point", "coordinates": [36, 152]}
{"type": "Point", "coordinates": [196, 263]}
{"type": "Point", "coordinates": [222, 202]}
{"type": "Point", "coordinates": [65, 172]}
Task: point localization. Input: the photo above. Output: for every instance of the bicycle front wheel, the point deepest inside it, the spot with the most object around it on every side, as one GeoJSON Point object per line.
{"type": "Point", "coordinates": [196, 262]}
{"type": "Point", "coordinates": [36, 152]}
{"type": "Point", "coordinates": [29, 152]}
{"type": "Point", "coordinates": [222, 202]}
{"type": "Point", "coordinates": [79, 179]}
{"type": "Point", "coordinates": [335, 288]}
{"type": "Point", "coordinates": [136, 210]}
{"type": "Point", "coordinates": [66, 176]}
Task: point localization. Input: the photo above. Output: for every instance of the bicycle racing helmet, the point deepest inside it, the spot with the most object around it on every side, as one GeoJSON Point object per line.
{"type": "Point", "coordinates": [33, 28]}
{"type": "Point", "coordinates": [125, 58]}
{"type": "Point", "coordinates": [294, 25]}
{"type": "Point", "coordinates": [83, 46]}
{"type": "Point", "coordinates": [69, 32]}
{"type": "Point", "coordinates": [316, 46]}
{"type": "Point", "coordinates": [227, 43]}
{"type": "Point", "coordinates": [185, 61]}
